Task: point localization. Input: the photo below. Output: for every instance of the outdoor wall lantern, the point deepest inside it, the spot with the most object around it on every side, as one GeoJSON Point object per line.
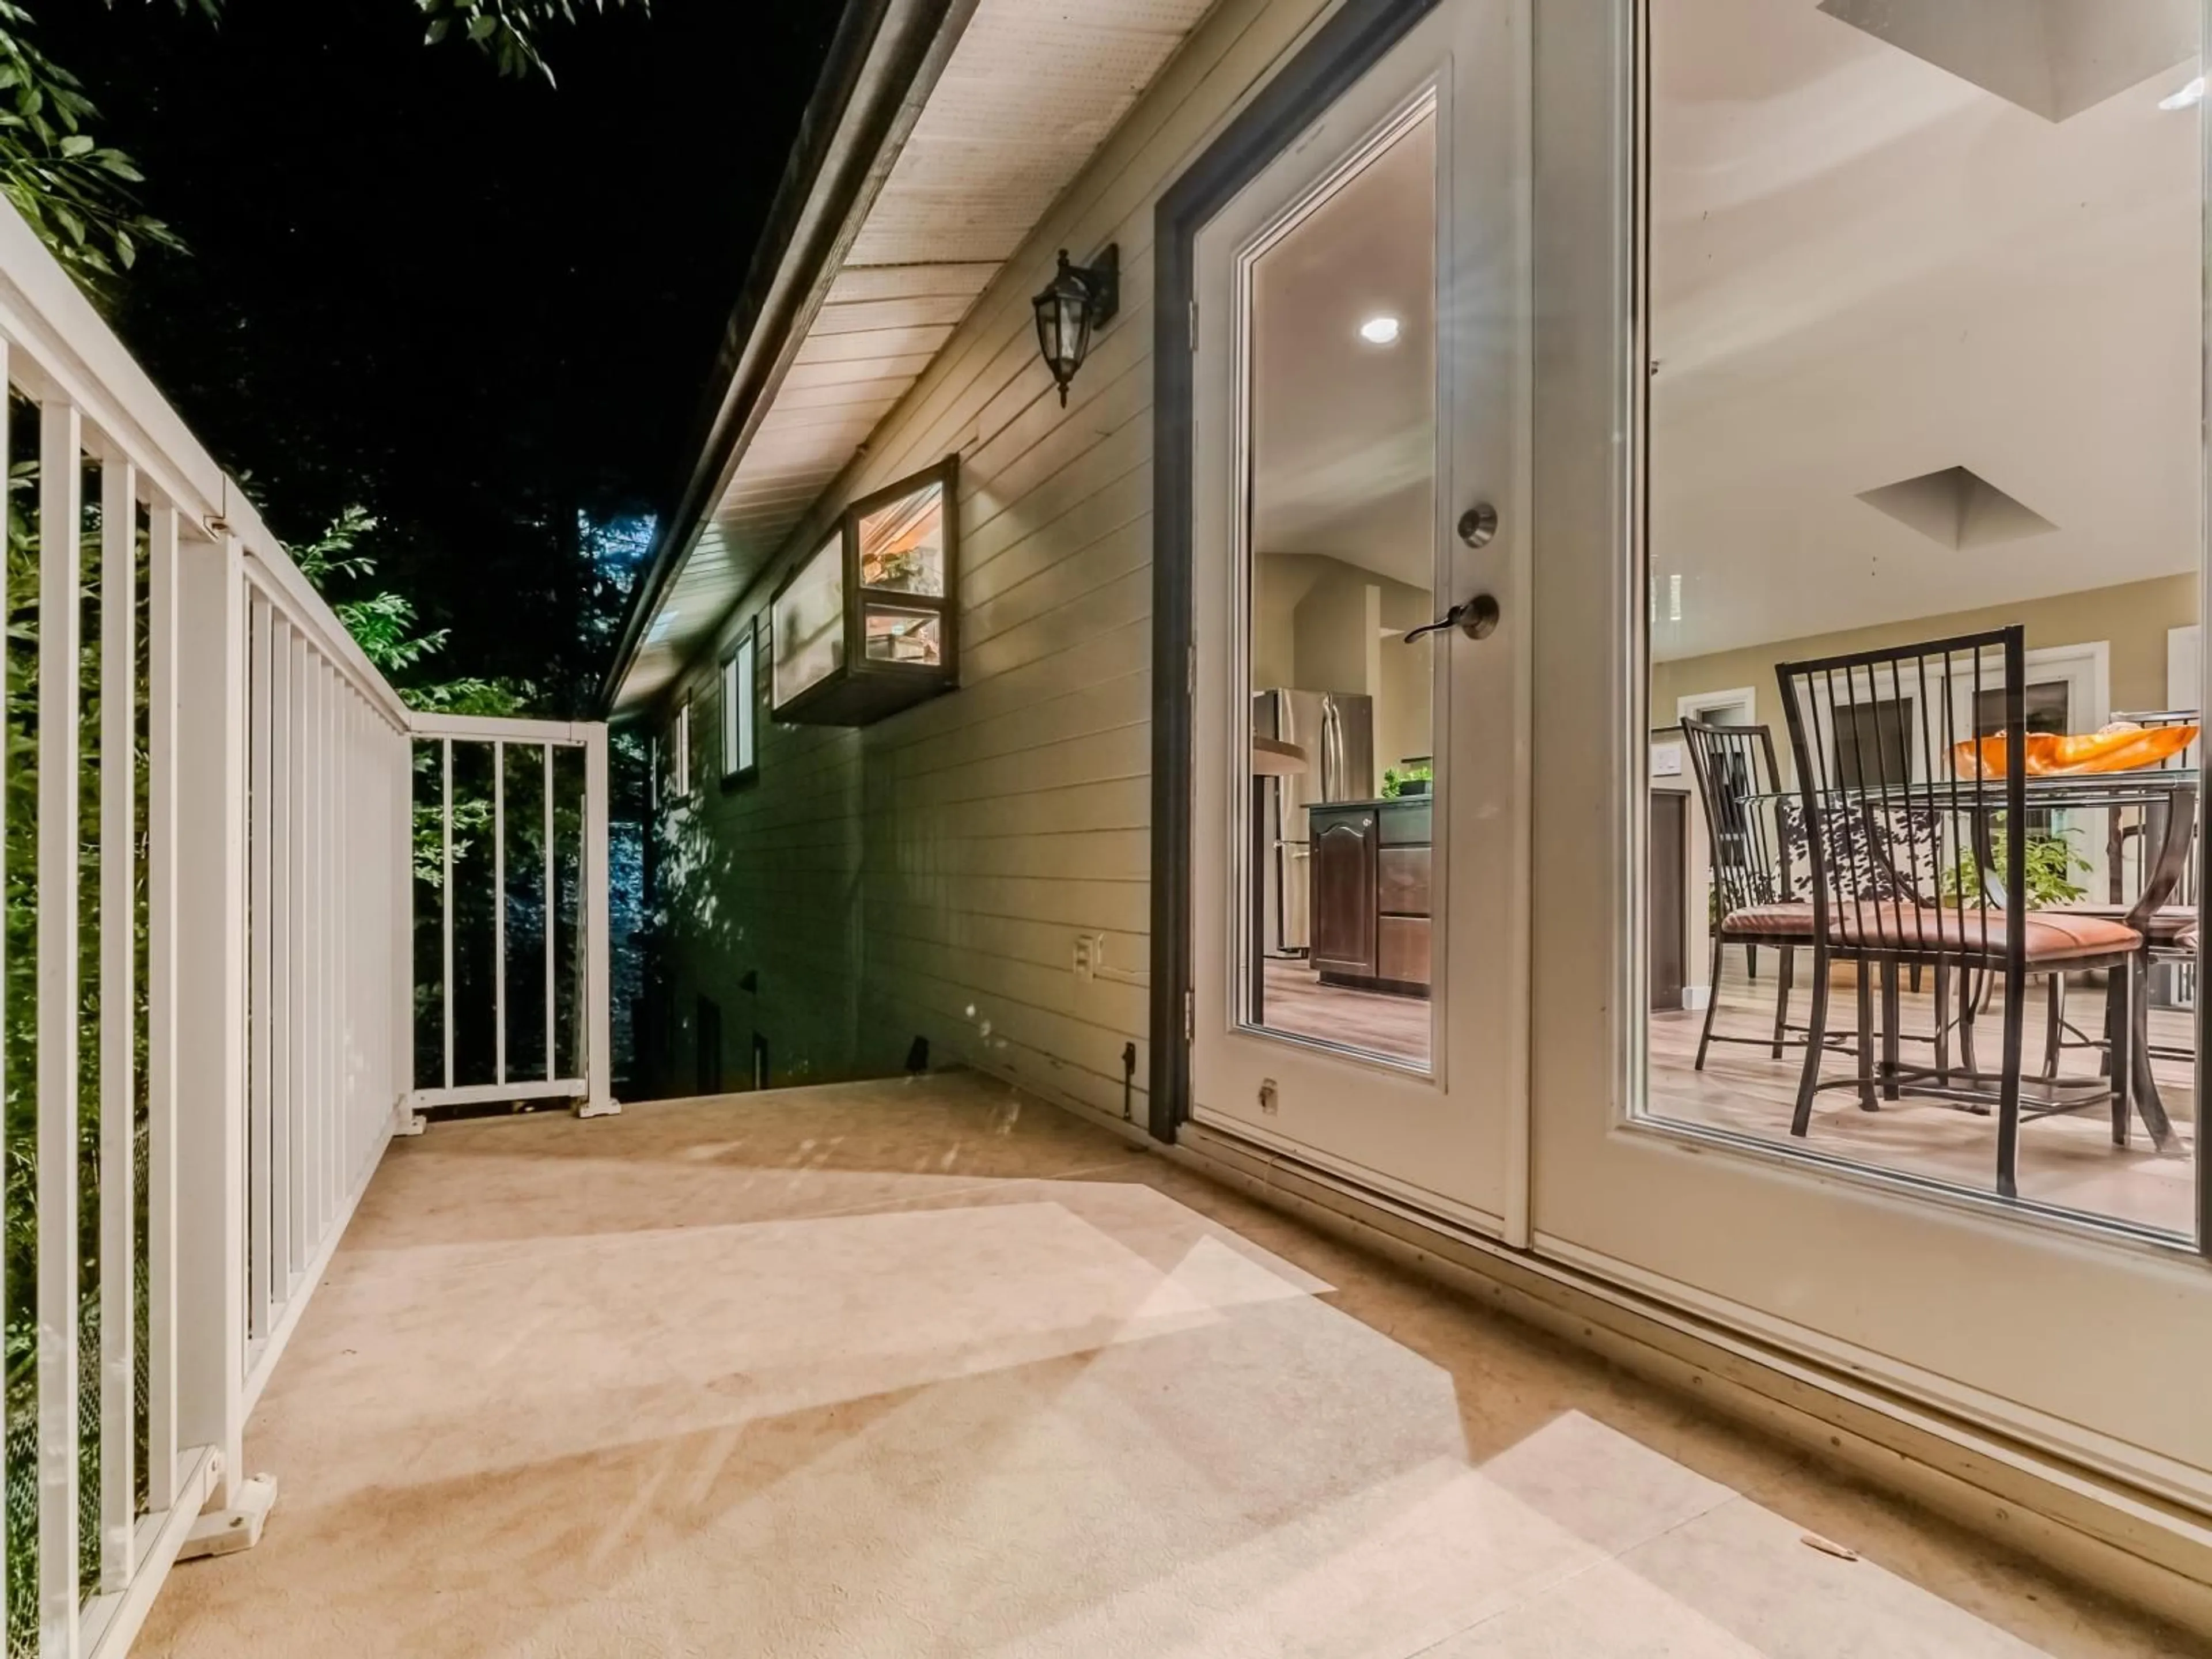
{"type": "Point", "coordinates": [1079, 299]}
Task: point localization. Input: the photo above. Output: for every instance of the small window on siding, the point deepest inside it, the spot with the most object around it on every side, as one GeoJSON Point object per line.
{"type": "Point", "coordinates": [678, 752]}
{"type": "Point", "coordinates": [740, 731]}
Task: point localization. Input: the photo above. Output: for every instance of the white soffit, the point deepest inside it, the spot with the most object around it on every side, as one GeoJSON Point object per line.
{"type": "Point", "coordinates": [1031, 92]}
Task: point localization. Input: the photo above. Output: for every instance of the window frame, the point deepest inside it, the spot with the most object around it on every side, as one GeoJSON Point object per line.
{"type": "Point", "coordinates": [676, 742]}
{"type": "Point", "coordinates": [837, 690]}
{"type": "Point", "coordinates": [746, 641]}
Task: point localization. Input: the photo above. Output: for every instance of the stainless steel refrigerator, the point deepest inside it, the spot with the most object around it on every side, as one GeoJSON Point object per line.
{"type": "Point", "coordinates": [1337, 732]}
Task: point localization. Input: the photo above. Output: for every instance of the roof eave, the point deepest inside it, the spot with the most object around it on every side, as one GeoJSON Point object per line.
{"type": "Point", "coordinates": [881, 64]}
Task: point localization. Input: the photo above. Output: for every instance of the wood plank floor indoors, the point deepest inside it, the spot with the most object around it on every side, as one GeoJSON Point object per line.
{"type": "Point", "coordinates": [2066, 1160]}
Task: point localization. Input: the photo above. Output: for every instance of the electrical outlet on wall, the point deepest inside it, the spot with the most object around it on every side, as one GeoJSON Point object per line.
{"type": "Point", "coordinates": [1090, 953]}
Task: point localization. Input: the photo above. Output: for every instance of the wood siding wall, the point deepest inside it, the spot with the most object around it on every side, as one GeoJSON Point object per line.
{"type": "Point", "coordinates": [929, 875]}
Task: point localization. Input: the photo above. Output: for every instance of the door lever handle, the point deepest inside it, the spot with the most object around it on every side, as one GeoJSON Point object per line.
{"type": "Point", "coordinates": [1477, 618]}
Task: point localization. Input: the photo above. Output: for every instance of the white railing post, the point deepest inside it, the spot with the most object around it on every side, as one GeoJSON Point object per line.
{"type": "Point", "coordinates": [261, 981]}
{"type": "Point", "coordinates": [400, 824]}
{"type": "Point", "coordinates": [445, 897]}
{"type": "Point", "coordinates": [161, 1036]}
{"type": "Point", "coordinates": [273, 874]}
{"type": "Point", "coordinates": [209, 948]}
{"type": "Point", "coordinates": [61, 535]}
{"type": "Point", "coordinates": [552, 914]}
{"type": "Point", "coordinates": [598, 1033]}
{"type": "Point", "coordinates": [299, 1077]}
{"type": "Point", "coordinates": [499, 911]}
{"type": "Point", "coordinates": [119, 1014]}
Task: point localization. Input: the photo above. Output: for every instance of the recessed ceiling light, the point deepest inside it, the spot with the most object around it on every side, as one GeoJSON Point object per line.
{"type": "Point", "coordinates": [2191, 94]}
{"type": "Point", "coordinates": [1379, 330]}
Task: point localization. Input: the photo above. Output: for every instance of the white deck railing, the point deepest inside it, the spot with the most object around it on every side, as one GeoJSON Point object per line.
{"type": "Point", "coordinates": [243, 986]}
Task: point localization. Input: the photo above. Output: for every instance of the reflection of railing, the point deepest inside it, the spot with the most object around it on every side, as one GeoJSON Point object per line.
{"type": "Point", "coordinates": [207, 1036]}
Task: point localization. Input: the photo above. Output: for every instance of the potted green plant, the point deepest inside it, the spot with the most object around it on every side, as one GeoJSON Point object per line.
{"type": "Point", "coordinates": [1411, 777]}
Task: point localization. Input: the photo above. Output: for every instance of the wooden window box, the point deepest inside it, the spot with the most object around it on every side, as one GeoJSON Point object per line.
{"type": "Point", "coordinates": [869, 625]}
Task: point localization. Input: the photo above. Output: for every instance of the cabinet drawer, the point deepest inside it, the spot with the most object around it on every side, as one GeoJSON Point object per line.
{"type": "Point", "coordinates": [1404, 826]}
{"type": "Point", "coordinates": [1401, 948]}
{"type": "Point", "coordinates": [1401, 881]}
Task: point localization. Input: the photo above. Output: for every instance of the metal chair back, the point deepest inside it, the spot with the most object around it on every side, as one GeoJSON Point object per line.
{"type": "Point", "coordinates": [1918, 829]}
{"type": "Point", "coordinates": [1737, 785]}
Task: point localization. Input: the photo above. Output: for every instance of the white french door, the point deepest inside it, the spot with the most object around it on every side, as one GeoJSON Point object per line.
{"type": "Point", "coordinates": [1359, 908]}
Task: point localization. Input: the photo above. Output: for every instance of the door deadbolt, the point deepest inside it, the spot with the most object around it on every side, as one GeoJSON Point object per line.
{"type": "Point", "coordinates": [1478, 525]}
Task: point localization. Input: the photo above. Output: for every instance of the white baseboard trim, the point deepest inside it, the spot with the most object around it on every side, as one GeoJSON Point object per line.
{"type": "Point", "coordinates": [2126, 1543]}
{"type": "Point", "coordinates": [1696, 996]}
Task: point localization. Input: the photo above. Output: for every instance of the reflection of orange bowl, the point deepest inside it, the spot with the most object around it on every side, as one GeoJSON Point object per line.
{"type": "Point", "coordinates": [2123, 749]}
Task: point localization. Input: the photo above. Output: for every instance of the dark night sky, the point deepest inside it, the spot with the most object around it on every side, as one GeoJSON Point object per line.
{"type": "Point", "coordinates": [475, 304]}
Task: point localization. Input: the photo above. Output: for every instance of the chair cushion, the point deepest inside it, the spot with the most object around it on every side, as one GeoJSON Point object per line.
{"type": "Point", "coordinates": [2186, 939]}
{"type": "Point", "coordinates": [1770, 921]}
{"type": "Point", "coordinates": [2165, 924]}
{"type": "Point", "coordinates": [2052, 935]}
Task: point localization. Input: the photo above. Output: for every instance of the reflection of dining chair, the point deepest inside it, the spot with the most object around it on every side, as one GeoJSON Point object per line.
{"type": "Point", "coordinates": [1755, 901]}
{"type": "Point", "coordinates": [1874, 736]}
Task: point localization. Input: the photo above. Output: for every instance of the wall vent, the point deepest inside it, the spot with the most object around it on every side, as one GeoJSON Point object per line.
{"type": "Point", "coordinates": [2055, 58]}
{"type": "Point", "coordinates": [1957, 508]}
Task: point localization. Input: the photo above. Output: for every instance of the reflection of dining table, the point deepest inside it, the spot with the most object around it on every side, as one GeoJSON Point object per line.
{"type": "Point", "coordinates": [2166, 797]}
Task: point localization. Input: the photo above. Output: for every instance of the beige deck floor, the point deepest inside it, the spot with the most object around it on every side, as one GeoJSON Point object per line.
{"type": "Point", "coordinates": [924, 1368]}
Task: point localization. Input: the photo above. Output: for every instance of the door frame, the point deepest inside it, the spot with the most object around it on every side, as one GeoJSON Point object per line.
{"type": "Point", "coordinates": [1350, 42]}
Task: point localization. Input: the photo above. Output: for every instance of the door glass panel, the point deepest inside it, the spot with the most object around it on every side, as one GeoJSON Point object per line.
{"type": "Point", "coordinates": [1339, 898]}
{"type": "Point", "coordinates": [1925, 316]}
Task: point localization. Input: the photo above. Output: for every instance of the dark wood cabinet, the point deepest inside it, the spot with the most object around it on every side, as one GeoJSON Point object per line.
{"type": "Point", "coordinates": [1343, 851]}
{"type": "Point", "coordinates": [1669, 890]}
{"type": "Point", "coordinates": [1371, 894]}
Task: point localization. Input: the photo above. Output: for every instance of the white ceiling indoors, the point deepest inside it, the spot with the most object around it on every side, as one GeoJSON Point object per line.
{"type": "Point", "coordinates": [1926, 285]}
{"type": "Point", "coordinates": [1344, 428]}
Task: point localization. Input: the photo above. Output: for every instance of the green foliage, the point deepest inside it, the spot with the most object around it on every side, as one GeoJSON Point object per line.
{"type": "Point", "coordinates": [78, 194]}
{"type": "Point", "coordinates": [387, 626]}
{"type": "Point", "coordinates": [75, 192]}
{"type": "Point", "coordinates": [2052, 863]}
{"type": "Point", "coordinates": [506, 31]}
{"type": "Point", "coordinates": [1394, 781]}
